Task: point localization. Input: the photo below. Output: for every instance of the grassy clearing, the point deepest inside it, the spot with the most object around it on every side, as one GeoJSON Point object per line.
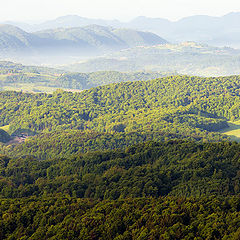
{"type": "Point", "coordinates": [28, 87]}
{"type": "Point", "coordinates": [233, 131]}
{"type": "Point", "coordinates": [5, 128]}
{"type": "Point", "coordinates": [34, 88]}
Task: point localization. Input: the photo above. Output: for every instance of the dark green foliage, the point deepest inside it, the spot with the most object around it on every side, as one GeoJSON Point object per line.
{"type": "Point", "coordinates": [84, 148]}
{"type": "Point", "coordinates": [69, 142]}
{"type": "Point", "coordinates": [4, 136]}
{"type": "Point", "coordinates": [177, 168]}
{"type": "Point", "coordinates": [141, 218]}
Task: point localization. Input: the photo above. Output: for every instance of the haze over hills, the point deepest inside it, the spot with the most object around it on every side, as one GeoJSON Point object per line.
{"type": "Point", "coordinates": [68, 21]}
{"type": "Point", "coordinates": [17, 77]}
{"type": "Point", "coordinates": [73, 40]}
{"type": "Point", "coordinates": [219, 31]}
{"type": "Point", "coordinates": [84, 41]}
{"type": "Point", "coordinates": [15, 39]}
{"type": "Point", "coordinates": [128, 160]}
{"type": "Point", "coordinates": [100, 48]}
{"type": "Point", "coordinates": [120, 130]}
{"type": "Point", "coordinates": [185, 58]}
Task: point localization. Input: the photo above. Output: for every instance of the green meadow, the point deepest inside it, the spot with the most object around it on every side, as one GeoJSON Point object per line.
{"type": "Point", "coordinates": [233, 131]}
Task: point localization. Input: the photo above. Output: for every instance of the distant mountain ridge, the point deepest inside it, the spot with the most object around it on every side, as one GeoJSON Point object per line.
{"type": "Point", "coordinates": [14, 38]}
{"type": "Point", "coordinates": [219, 31]}
{"type": "Point", "coordinates": [186, 58]}
{"type": "Point", "coordinates": [85, 40]}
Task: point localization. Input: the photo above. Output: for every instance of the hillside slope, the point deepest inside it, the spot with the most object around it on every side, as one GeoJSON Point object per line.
{"type": "Point", "coordinates": [217, 31]}
{"type": "Point", "coordinates": [118, 115]}
{"type": "Point", "coordinates": [67, 41]}
{"type": "Point", "coordinates": [186, 58]}
{"type": "Point", "coordinates": [14, 76]}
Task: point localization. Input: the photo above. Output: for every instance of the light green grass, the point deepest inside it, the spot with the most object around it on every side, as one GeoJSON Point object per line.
{"type": "Point", "coordinates": [5, 128]}
{"type": "Point", "coordinates": [233, 131]}
{"type": "Point", "coordinates": [34, 88]}
{"type": "Point", "coordinates": [28, 87]}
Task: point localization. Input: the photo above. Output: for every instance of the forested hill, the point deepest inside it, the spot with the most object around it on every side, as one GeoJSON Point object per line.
{"type": "Point", "coordinates": [201, 97]}
{"type": "Point", "coordinates": [89, 194]}
{"type": "Point", "coordinates": [174, 168]}
{"type": "Point", "coordinates": [188, 58]}
{"type": "Point", "coordinates": [88, 40]}
{"type": "Point", "coordinates": [140, 218]}
{"type": "Point", "coordinates": [17, 77]}
{"type": "Point", "coordinates": [101, 162]}
{"type": "Point", "coordinates": [165, 108]}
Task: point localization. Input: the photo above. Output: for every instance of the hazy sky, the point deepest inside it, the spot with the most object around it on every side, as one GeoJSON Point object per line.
{"type": "Point", "coordinates": [113, 9]}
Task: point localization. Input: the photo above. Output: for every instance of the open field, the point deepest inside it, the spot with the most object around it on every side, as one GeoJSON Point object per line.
{"type": "Point", "coordinates": [28, 87]}
{"type": "Point", "coordinates": [5, 128]}
{"type": "Point", "coordinates": [34, 88]}
{"type": "Point", "coordinates": [233, 131]}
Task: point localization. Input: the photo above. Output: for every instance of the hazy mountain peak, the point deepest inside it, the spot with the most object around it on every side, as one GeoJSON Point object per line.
{"type": "Point", "coordinates": [9, 28]}
{"type": "Point", "coordinates": [70, 17]}
{"type": "Point", "coordinates": [219, 31]}
{"type": "Point", "coordinates": [75, 41]}
{"type": "Point", "coordinates": [143, 21]}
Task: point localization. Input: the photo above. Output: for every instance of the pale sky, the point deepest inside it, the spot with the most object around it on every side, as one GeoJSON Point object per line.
{"type": "Point", "coordinates": [23, 10]}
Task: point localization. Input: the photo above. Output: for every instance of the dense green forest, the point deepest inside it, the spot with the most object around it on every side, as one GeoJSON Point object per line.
{"type": "Point", "coordinates": [185, 106]}
{"type": "Point", "coordinates": [178, 168]}
{"type": "Point", "coordinates": [132, 160]}
{"type": "Point", "coordinates": [129, 219]}
{"type": "Point", "coordinates": [187, 190]}
{"type": "Point", "coordinates": [70, 142]}
{"type": "Point", "coordinates": [4, 136]}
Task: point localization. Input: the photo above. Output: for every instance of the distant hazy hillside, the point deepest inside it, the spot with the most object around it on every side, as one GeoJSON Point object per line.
{"type": "Point", "coordinates": [14, 39]}
{"type": "Point", "coordinates": [80, 41]}
{"type": "Point", "coordinates": [75, 21]}
{"type": "Point", "coordinates": [7, 67]}
{"type": "Point", "coordinates": [220, 31]}
{"type": "Point", "coordinates": [18, 77]}
{"type": "Point", "coordinates": [69, 21]}
{"type": "Point", "coordinates": [185, 58]}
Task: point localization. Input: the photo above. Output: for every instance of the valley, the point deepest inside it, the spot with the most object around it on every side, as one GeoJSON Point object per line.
{"type": "Point", "coordinates": [120, 130]}
{"type": "Point", "coordinates": [34, 79]}
{"type": "Point", "coordinates": [117, 150]}
{"type": "Point", "coordinates": [187, 58]}
{"type": "Point", "coordinates": [121, 114]}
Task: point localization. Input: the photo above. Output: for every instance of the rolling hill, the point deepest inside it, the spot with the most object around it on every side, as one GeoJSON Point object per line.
{"type": "Point", "coordinates": [125, 113]}
{"type": "Point", "coordinates": [13, 39]}
{"type": "Point", "coordinates": [88, 40]}
{"type": "Point", "coordinates": [217, 31]}
{"type": "Point", "coordinates": [132, 160]}
{"type": "Point", "coordinates": [186, 58]}
{"type": "Point", "coordinates": [15, 76]}
{"type": "Point", "coordinates": [127, 160]}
